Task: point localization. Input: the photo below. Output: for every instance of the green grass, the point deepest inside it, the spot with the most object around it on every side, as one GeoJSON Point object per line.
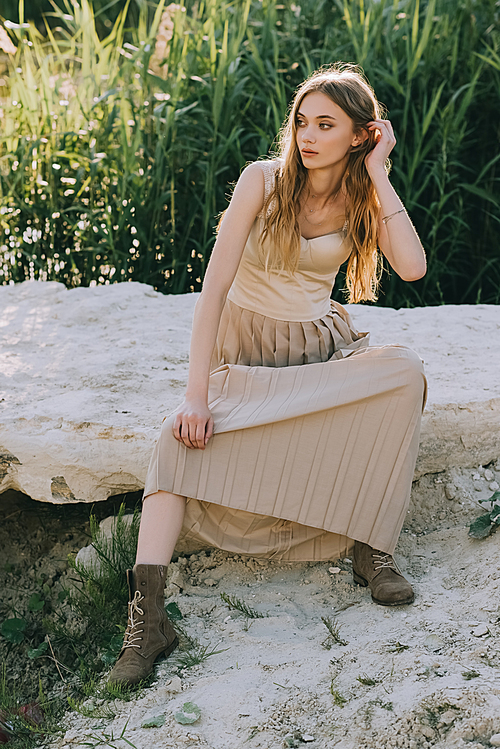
{"type": "Point", "coordinates": [333, 628]}
{"type": "Point", "coordinates": [116, 156]}
{"type": "Point", "coordinates": [237, 604]}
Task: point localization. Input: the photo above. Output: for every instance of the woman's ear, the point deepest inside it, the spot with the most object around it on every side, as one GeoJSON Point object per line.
{"type": "Point", "coordinates": [359, 138]}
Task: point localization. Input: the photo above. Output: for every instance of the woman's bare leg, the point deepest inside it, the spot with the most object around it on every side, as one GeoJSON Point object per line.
{"type": "Point", "coordinates": [161, 523]}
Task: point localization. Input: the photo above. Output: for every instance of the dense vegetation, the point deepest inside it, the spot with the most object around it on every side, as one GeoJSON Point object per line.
{"type": "Point", "coordinates": [120, 139]}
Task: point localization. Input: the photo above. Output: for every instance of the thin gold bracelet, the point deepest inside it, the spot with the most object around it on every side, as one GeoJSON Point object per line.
{"type": "Point", "coordinates": [386, 218]}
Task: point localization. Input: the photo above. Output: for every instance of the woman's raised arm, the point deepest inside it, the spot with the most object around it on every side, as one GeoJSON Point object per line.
{"type": "Point", "coordinates": [193, 425]}
{"type": "Point", "coordinates": [398, 239]}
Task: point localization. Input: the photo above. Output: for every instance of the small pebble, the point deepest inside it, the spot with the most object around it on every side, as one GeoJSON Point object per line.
{"type": "Point", "coordinates": [433, 643]}
{"type": "Point", "coordinates": [334, 570]}
{"type": "Point", "coordinates": [478, 486]}
{"type": "Point", "coordinates": [307, 737]}
{"type": "Point", "coordinates": [174, 685]}
{"type": "Point", "coordinates": [427, 731]}
{"type": "Point", "coordinates": [494, 486]}
{"type": "Point", "coordinates": [476, 477]}
{"type": "Point", "coordinates": [450, 491]}
{"type": "Point", "coordinates": [480, 631]}
{"type": "Point", "coordinates": [495, 740]}
{"type": "Point", "coordinates": [489, 475]}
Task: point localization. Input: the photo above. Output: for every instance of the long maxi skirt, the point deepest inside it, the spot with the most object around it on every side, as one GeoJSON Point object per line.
{"type": "Point", "coordinates": [315, 441]}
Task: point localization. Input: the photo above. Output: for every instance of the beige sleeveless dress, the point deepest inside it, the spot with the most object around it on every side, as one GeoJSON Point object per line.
{"type": "Point", "coordinates": [316, 433]}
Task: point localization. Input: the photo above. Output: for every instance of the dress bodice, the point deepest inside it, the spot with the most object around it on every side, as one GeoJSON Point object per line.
{"type": "Point", "coordinates": [298, 297]}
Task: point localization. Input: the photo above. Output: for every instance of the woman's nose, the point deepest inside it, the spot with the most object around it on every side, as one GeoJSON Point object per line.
{"type": "Point", "coordinates": [307, 135]}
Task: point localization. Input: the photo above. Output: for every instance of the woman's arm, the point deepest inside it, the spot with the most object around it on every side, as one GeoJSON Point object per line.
{"type": "Point", "coordinates": [397, 237]}
{"type": "Point", "coordinates": [193, 424]}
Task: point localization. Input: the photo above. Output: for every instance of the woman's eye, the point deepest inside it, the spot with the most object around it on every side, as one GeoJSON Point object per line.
{"type": "Point", "coordinates": [300, 123]}
{"type": "Point", "coordinates": [325, 125]}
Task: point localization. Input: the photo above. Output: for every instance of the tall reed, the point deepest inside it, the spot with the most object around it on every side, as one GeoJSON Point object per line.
{"type": "Point", "coordinates": [117, 147]}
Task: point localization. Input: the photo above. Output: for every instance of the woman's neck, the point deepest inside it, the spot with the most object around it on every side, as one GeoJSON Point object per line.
{"type": "Point", "coordinates": [324, 182]}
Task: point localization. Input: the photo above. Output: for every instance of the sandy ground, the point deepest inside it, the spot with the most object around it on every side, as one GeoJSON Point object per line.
{"type": "Point", "coordinates": [280, 679]}
{"type": "Point", "coordinates": [91, 372]}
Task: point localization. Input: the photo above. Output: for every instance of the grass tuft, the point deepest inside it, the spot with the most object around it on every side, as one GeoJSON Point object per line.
{"type": "Point", "coordinates": [232, 602]}
{"type": "Point", "coordinates": [367, 681]}
{"type": "Point", "coordinates": [338, 698]}
{"type": "Point", "coordinates": [470, 674]}
{"type": "Point", "coordinates": [333, 628]}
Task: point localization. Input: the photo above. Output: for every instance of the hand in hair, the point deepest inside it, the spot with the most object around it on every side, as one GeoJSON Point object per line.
{"type": "Point", "coordinates": [385, 142]}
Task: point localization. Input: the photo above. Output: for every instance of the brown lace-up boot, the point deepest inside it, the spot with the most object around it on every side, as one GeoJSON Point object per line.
{"type": "Point", "coordinates": [379, 571]}
{"type": "Point", "coordinates": [149, 632]}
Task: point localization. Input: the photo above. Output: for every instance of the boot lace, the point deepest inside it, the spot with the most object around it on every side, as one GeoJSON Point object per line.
{"type": "Point", "coordinates": [131, 635]}
{"type": "Point", "coordinates": [384, 560]}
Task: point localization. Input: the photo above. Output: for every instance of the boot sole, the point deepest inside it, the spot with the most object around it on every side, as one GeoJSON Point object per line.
{"type": "Point", "coordinates": [364, 583]}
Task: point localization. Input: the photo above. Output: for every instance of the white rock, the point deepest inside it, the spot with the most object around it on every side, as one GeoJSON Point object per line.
{"type": "Point", "coordinates": [173, 685]}
{"type": "Point", "coordinates": [495, 740]}
{"type": "Point", "coordinates": [489, 475]}
{"type": "Point", "coordinates": [433, 643]}
{"type": "Point", "coordinates": [476, 477]}
{"type": "Point", "coordinates": [88, 556]}
{"type": "Point", "coordinates": [480, 631]}
{"type": "Point", "coordinates": [334, 570]}
{"type": "Point", "coordinates": [494, 486]}
{"type": "Point", "coordinates": [175, 582]}
{"type": "Point", "coordinates": [307, 737]}
{"type": "Point", "coordinates": [84, 398]}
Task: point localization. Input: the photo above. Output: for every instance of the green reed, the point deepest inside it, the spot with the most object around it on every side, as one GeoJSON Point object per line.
{"type": "Point", "coordinates": [124, 137]}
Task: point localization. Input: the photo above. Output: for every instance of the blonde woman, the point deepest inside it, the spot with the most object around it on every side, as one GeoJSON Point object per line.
{"type": "Point", "coordinates": [295, 439]}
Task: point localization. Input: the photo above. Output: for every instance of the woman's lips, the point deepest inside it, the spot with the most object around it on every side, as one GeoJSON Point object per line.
{"type": "Point", "coordinates": [307, 152]}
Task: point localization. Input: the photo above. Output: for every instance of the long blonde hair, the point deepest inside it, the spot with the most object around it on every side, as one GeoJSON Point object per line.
{"type": "Point", "coordinates": [346, 86]}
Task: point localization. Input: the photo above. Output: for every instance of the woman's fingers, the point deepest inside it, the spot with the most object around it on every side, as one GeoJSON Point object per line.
{"type": "Point", "coordinates": [199, 440]}
{"type": "Point", "coordinates": [385, 128]}
{"type": "Point", "coordinates": [193, 424]}
{"type": "Point", "coordinates": [210, 429]}
{"type": "Point", "coordinates": [192, 434]}
{"type": "Point", "coordinates": [176, 428]}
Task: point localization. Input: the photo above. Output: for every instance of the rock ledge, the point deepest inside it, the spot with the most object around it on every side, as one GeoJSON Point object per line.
{"type": "Point", "coordinates": [87, 375]}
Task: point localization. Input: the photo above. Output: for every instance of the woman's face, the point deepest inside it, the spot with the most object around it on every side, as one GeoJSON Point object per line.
{"type": "Point", "coordinates": [325, 132]}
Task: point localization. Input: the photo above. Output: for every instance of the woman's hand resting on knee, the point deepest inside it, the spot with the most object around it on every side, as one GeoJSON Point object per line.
{"type": "Point", "coordinates": [193, 425]}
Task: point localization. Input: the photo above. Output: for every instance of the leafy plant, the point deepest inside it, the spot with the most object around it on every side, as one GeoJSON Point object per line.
{"type": "Point", "coordinates": [189, 713]}
{"type": "Point", "coordinates": [173, 611]}
{"type": "Point", "coordinates": [484, 525]}
{"type": "Point", "coordinates": [13, 629]}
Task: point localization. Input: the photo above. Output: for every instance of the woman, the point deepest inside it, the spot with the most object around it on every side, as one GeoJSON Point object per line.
{"type": "Point", "coordinates": [295, 439]}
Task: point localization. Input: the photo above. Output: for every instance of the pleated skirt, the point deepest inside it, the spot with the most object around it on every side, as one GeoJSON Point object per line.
{"type": "Point", "coordinates": [315, 441]}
